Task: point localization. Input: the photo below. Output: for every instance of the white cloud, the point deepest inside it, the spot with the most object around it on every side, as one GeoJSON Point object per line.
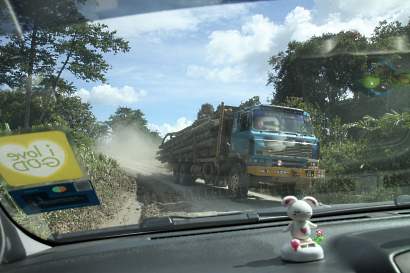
{"type": "Point", "coordinates": [215, 13]}
{"type": "Point", "coordinates": [135, 25]}
{"type": "Point", "coordinates": [157, 24]}
{"type": "Point", "coordinates": [239, 55]}
{"type": "Point", "coordinates": [350, 9]}
{"type": "Point", "coordinates": [106, 94]}
{"type": "Point", "coordinates": [300, 25]}
{"type": "Point", "coordinates": [224, 74]}
{"type": "Point", "coordinates": [249, 46]}
{"type": "Point", "coordinates": [233, 55]}
{"type": "Point", "coordinates": [165, 128]}
{"type": "Point", "coordinates": [235, 46]}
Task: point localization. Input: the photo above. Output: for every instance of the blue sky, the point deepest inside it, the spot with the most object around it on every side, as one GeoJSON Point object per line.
{"type": "Point", "coordinates": [181, 59]}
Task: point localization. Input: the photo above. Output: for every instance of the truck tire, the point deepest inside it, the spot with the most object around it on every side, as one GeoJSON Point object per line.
{"type": "Point", "coordinates": [286, 189]}
{"type": "Point", "coordinates": [238, 182]}
{"type": "Point", "coordinates": [175, 174]}
{"type": "Point", "coordinates": [185, 176]}
{"type": "Point", "coordinates": [209, 174]}
{"type": "Point", "coordinates": [211, 180]}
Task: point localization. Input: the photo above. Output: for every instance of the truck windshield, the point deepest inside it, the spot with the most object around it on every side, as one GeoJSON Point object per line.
{"type": "Point", "coordinates": [281, 121]}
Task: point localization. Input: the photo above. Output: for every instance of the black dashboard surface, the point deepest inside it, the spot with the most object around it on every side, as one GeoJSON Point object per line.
{"type": "Point", "coordinates": [360, 244]}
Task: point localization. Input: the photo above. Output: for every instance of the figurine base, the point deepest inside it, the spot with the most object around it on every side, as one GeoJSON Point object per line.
{"type": "Point", "coordinates": [306, 252]}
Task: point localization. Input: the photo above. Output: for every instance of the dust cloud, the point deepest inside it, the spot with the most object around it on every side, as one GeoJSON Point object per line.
{"type": "Point", "coordinates": [135, 151]}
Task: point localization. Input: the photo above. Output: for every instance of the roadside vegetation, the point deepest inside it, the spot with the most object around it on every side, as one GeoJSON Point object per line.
{"type": "Point", "coordinates": [35, 95]}
{"type": "Point", "coordinates": [357, 92]}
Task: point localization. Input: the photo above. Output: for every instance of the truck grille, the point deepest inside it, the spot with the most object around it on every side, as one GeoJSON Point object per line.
{"type": "Point", "coordinates": [284, 148]}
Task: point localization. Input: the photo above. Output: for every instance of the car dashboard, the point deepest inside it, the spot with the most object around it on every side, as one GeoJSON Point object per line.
{"type": "Point", "coordinates": [372, 242]}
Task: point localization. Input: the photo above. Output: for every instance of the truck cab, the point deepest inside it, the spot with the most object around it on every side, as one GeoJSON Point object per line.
{"type": "Point", "coordinates": [276, 143]}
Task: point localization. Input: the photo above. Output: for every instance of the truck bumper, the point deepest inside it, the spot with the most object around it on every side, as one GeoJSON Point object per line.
{"type": "Point", "coordinates": [264, 171]}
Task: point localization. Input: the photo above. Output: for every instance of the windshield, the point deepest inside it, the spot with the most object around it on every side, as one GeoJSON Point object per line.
{"type": "Point", "coordinates": [113, 114]}
{"type": "Point", "coordinates": [282, 121]}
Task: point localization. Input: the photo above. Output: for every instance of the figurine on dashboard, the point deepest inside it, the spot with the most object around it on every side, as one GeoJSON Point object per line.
{"type": "Point", "coordinates": [301, 248]}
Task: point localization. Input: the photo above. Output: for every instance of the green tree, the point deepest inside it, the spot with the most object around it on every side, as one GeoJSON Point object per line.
{"type": "Point", "coordinates": [12, 107]}
{"type": "Point", "coordinates": [77, 116]}
{"type": "Point", "coordinates": [69, 112]}
{"type": "Point", "coordinates": [101, 129]}
{"type": "Point", "coordinates": [325, 70]}
{"type": "Point", "coordinates": [250, 102]}
{"type": "Point", "coordinates": [390, 36]}
{"type": "Point", "coordinates": [207, 110]}
{"type": "Point", "coordinates": [127, 118]}
{"type": "Point", "coordinates": [322, 70]}
{"type": "Point", "coordinates": [49, 45]}
{"type": "Point", "coordinates": [382, 144]}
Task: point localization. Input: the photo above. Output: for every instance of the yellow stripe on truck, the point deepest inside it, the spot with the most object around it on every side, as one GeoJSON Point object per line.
{"type": "Point", "coordinates": [282, 171]}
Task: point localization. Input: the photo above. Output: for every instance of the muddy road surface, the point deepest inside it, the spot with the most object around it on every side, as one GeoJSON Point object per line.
{"type": "Point", "coordinates": [158, 195]}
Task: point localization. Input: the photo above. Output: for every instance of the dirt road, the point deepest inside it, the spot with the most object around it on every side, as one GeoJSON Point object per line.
{"type": "Point", "coordinates": [159, 195]}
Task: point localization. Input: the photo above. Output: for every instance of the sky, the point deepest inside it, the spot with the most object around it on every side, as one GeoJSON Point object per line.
{"type": "Point", "coordinates": [183, 58]}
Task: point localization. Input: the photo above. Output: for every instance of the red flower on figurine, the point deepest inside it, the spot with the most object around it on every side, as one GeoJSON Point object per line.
{"type": "Point", "coordinates": [295, 243]}
{"type": "Point", "coordinates": [319, 233]}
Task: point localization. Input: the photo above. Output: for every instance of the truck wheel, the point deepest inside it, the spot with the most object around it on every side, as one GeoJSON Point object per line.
{"type": "Point", "coordinates": [211, 180]}
{"type": "Point", "coordinates": [185, 177]}
{"type": "Point", "coordinates": [238, 182]}
{"type": "Point", "coordinates": [175, 174]}
{"type": "Point", "coordinates": [287, 189]}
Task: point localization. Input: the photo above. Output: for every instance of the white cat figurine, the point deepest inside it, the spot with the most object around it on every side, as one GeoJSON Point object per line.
{"type": "Point", "coordinates": [301, 248]}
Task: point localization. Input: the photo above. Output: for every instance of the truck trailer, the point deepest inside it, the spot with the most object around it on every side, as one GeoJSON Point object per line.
{"type": "Point", "coordinates": [239, 147]}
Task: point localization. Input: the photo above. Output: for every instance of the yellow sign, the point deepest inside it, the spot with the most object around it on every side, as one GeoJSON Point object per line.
{"type": "Point", "coordinates": [37, 158]}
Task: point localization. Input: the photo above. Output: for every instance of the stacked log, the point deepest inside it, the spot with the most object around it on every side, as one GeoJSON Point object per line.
{"type": "Point", "coordinates": [198, 141]}
{"type": "Point", "coordinates": [188, 143]}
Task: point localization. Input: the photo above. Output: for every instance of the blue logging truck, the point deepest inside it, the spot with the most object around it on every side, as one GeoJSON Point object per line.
{"type": "Point", "coordinates": [239, 147]}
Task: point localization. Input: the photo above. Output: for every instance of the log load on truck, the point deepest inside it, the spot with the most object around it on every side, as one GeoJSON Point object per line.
{"type": "Point", "coordinates": [238, 147]}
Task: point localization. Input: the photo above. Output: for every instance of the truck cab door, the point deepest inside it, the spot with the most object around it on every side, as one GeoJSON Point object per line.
{"type": "Point", "coordinates": [240, 133]}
